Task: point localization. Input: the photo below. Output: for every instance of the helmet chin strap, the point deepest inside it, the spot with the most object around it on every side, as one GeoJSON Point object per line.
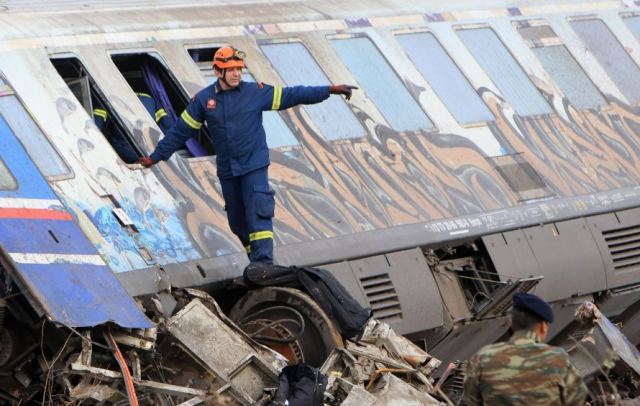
{"type": "Point", "coordinates": [223, 78]}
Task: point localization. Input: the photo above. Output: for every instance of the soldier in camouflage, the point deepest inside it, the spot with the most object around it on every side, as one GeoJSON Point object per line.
{"type": "Point", "coordinates": [524, 370]}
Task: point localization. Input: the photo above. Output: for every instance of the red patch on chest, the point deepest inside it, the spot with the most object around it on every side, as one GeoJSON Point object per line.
{"type": "Point", "coordinates": [211, 104]}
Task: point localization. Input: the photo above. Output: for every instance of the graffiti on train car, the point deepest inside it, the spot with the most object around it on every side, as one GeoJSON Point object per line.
{"type": "Point", "coordinates": [395, 178]}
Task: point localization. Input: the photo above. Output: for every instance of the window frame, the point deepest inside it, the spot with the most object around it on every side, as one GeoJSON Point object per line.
{"type": "Point", "coordinates": [426, 30]}
{"type": "Point", "coordinates": [472, 26]}
{"type": "Point", "coordinates": [557, 41]}
{"type": "Point", "coordinates": [290, 40]}
{"type": "Point", "coordinates": [592, 17]}
{"type": "Point", "coordinates": [8, 90]}
{"type": "Point", "coordinates": [98, 89]}
{"type": "Point", "coordinates": [157, 55]}
{"type": "Point", "coordinates": [343, 36]}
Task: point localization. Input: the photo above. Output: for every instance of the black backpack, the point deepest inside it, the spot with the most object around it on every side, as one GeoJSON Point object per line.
{"type": "Point", "coordinates": [300, 385]}
{"type": "Point", "coordinates": [349, 316]}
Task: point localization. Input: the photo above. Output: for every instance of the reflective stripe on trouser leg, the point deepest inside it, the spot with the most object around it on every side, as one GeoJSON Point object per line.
{"type": "Point", "coordinates": [261, 246]}
{"type": "Point", "coordinates": [259, 206]}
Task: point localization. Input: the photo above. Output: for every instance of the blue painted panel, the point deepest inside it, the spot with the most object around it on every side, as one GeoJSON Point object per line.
{"type": "Point", "coordinates": [31, 184]}
{"type": "Point", "coordinates": [570, 77]}
{"type": "Point", "coordinates": [34, 141]}
{"type": "Point", "coordinates": [28, 235]}
{"type": "Point", "coordinates": [504, 71]}
{"type": "Point", "coordinates": [611, 55]}
{"type": "Point", "coordinates": [376, 78]}
{"type": "Point", "coordinates": [333, 117]}
{"type": "Point", "coordinates": [83, 295]}
{"type": "Point", "coordinates": [445, 78]}
{"type": "Point", "coordinates": [75, 295]}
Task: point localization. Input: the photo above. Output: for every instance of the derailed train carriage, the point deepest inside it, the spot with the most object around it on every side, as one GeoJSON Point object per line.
{"type": "Point", "coordinates": [489, 145]}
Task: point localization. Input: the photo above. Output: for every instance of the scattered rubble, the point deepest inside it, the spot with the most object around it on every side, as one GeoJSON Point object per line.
{"type": "Point", "coordinates": [381, 368]}
{"type": "Point", "coordinates": [196, 355]}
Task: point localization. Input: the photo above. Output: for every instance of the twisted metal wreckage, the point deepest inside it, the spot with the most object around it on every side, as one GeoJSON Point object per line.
{"type": "Point", "coordinates": [194, 353]}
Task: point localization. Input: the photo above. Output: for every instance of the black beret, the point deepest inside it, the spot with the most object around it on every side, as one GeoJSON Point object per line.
{"type": "Point", "coordinates": [534, 305]}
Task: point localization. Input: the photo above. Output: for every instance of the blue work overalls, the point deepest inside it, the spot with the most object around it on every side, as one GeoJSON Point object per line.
{"type": "Point", "coordinates": [234, 121]}
{"type": "Point", "coordinates": [122, 147]}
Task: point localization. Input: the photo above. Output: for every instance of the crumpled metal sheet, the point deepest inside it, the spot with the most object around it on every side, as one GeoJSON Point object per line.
{"type": "Point", "coordinates": [382, 368]}
{"type": "Point", "coordinates": [603, 343]}
{"type": "Point", "coordinates": [393, 391]}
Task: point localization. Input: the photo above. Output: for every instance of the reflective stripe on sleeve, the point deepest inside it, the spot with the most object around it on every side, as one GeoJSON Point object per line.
{"type": "Point", "coordinates": [100, 113]}
{"type": "Point", "coordinates": [190, 120]}
{"type": "Point", "coordinates": [159, 114]}
{"type": "Point", "coordinates": [277, 98]}
{"type": "Point", "coordinates": [260, 235]}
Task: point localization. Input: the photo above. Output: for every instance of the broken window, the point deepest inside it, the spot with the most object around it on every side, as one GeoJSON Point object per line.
{"type": "Point", "coordinates": [96, 104]}
{"type": "Point", "coordinates": [376, 77]}
{"type": "Point", "coordinates": [161, 94]}
{"type": "Point", "coordinates": [561, 66]}
{"type": "Point", "coordinates": [504, 70]}
{"type": "Point", "coordinates": [296, 66]}
{"type": "Point", "coordinates": [278, 133]}
{"type": "Point", "coordinates": [445, 78]}
{"type": "Point", "coordinates": [203, 57]}
{"type": "Point", "coordinates": [33, 140]}
{"type": "Point", "coordinates": [7, 181]}
{"type": "Point", "coordinates": [611, 55]}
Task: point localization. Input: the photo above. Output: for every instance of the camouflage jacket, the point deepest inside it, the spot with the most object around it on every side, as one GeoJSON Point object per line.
{"type": "Point", "coordinates": [523, 371]}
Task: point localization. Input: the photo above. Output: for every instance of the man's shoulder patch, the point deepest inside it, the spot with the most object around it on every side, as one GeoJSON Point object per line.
{"type": "Point", "coordinates": [211, 104]}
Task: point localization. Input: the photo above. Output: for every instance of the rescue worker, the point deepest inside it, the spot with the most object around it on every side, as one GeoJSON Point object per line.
{"type": "Point", "coordinates": [233, 110]}
{"type": "Point", "coordinates": [524, 370]}
{"type": "Point", "coordinates": [123, 148]}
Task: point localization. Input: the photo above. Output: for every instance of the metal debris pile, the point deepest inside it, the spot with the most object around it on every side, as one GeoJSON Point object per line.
{"type": "Point", "coordinates": [196, 356]}
{"type": "Point", "coordinates": [608, 362]}
{"type": "Point", "coordinates": [381, 368]}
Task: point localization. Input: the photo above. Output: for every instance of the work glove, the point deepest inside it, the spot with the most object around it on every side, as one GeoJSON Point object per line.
{"type": "Point", "coordinates": [146, 161]}
{"type": "Point", "coordinates": [344, 90]}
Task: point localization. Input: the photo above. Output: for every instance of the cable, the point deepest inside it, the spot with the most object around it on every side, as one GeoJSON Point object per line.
{"type": "Point", "coordinates": [128, 380]}
{"type": "Point", "coordinates": [256, 334]}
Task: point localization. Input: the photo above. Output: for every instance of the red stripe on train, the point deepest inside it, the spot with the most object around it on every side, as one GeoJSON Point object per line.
{"type": "Point", "coordinates": [36, 214]}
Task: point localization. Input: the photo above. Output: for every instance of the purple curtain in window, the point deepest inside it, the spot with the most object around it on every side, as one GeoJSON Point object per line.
{"type": "Point", "coordinates": [153, 81]}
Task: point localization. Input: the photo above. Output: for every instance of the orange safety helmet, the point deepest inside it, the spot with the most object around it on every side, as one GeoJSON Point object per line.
{"type": "Point", "coordinates": [228, 57]}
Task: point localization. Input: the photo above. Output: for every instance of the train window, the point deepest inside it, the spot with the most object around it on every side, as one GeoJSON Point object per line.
{"type": "Point", "coordinates": [633, 23]}
{"type": "Point", "coordinates": [504, 71]}
{"type": "Point", "coordinates": [96, 104]}
{"type": "Point", "coordinates": [7, 181]}
{"type": "Point", "coordinates": [278, 134]}
{"type": "Point", "coordinates": [444, 77]}
{"type": "Point", "coordinates": [612, 56]}
{"type": "Point", "coordinates": [32, 138]}
{"type": "Point", "coordinates": [376, 77]}
{"type": "Point", "coordinates": [203, 57]}
{"type": "Point", "coordinates": [562, 67]}
{"type": "Point", "coordinates": [296, 66]}
{"type": "Point", "coordinates": [155, 85]}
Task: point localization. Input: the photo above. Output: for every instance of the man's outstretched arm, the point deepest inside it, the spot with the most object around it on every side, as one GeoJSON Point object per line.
{"type": "Point", "coordinates": [281, 98]}
{"type": "Point", "coordinates": [188, 125]}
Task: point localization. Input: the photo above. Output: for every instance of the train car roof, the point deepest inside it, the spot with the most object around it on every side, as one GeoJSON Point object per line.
{"type": "Point", "coordinates": [24, 19]}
